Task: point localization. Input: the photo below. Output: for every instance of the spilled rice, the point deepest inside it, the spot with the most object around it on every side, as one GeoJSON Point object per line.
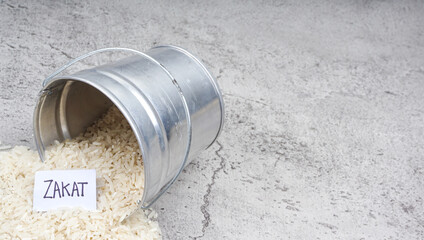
{"type": "Point", "coordinates": [110, 147]}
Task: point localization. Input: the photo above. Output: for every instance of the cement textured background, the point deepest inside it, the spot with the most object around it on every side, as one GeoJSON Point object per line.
{"type": "Point", "coordinates": [324, 108]}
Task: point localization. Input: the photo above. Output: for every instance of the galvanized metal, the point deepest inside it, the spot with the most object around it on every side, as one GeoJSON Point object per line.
{"type": "Point", "coordinates": [169, 98]}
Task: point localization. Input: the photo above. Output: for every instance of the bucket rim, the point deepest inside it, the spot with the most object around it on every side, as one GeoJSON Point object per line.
{"type": "Point", "coordinates": [142, 145]}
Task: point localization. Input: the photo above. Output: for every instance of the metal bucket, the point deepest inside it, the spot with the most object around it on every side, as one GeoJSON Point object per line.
{"type": "Point", "coordinates": [170, 100]}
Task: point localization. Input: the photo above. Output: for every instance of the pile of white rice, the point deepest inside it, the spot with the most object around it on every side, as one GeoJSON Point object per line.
{"type": "Point", "coordinates": [110, 147]}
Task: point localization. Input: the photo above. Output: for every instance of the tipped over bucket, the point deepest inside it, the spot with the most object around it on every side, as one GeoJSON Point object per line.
{"type": "Point", "coordinates": [168, 97]}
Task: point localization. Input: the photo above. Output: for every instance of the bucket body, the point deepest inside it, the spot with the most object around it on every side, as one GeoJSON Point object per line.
{"type": "Point", "coordinates": [168, 97]}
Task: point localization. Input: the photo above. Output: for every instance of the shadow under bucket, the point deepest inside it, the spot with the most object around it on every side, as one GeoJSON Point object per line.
{"type": "Point", "coordinates": [170, 100]}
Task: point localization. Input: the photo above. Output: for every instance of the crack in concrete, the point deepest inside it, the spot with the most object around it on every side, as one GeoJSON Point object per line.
{"type": "Point", "coordinates": [57, 49]}
{"type": "Point", "coordinates": [205, 205]}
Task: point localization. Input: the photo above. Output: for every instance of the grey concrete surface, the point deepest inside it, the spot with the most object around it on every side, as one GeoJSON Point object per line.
{"type": "Point", "coordinates": [325, 108]}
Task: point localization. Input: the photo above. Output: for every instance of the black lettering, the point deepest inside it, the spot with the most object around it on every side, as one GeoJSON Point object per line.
{"type": "Point", "coordinates": [64, 188]}
{"type": "Point", "coordinates": [56, 189]}
{"type": "Point", "coordinates": [75, 188]}
{"type": "Point", "coordinates": [50, 183]}
{"type": "Point", "coordinates": [82, 187]}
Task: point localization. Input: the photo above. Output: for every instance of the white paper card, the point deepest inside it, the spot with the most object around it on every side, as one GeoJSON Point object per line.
{"type": "Point", "coordinates": [65, 188]}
